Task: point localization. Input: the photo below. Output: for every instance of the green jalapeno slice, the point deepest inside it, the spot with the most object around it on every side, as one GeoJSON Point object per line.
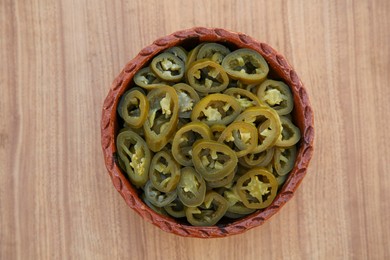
{"type": "Point", "coordinates": [225, 181]}
{"type": "Point", "coordinates": [257, 188]}
{"type": "Point", "coordinates": [158, 210]}
{"type": "Point", "coordinates": [244, 97]}
{"type": "Point", "coordinates": [268, 123]}
{"type": "Point", "coordinates": [207, 76]}
{"type": "Point", "coordinates": [216, 109]}
{"type": "Point", "coordinates": [135, 156]}
{"type": "Point", "coordinates": [213, 51]}
{"type": "Point", "coordinates": [164, 172]}
{"type": "Point", "coordinates": [158, 198]}
{"type": "Point", "coordinates": [209, 212]}
{"type": "Point", "coordinates": [162, 117]}
{"type": "Point", "coordinates": [261, 159]}
{"type": "Point", "coordinates": [188, 97]}
{"type": "Point", "coordinates": [146, 79]}
{"type": "Point", "coordinates": [176, 209]}
{"type": "Point", "coordinates": [235, 204]}
{"type": "Point", "coordinates": [217, 130]}
{"type": "Point", "coordinates": [179, 52]}
{"type": "Point", "coordinates": [133, 108]}
{"type": "Point", "coordinates": [168, 67]}
{"type": "Point", "coordinates": [277, 95]}
{"type": "Point", "coordinates": [213, 160]}
{"type": "Point", "coordinates": [290, 134]}
{"type": "Point", "coordinates": [192, 55]}
{"type": "Point", "coordinates": [185, 138]}
{"type": "Point", "coordinates": [284, 159]}
{"type": "Point", "coordinates": [243, 135]}
{"type": "Point", "coordinates": [246, 65]}
{"type": "Point", "coordinates": [191, 189]}
{"type": "Point", "coordinates": [232, 215]}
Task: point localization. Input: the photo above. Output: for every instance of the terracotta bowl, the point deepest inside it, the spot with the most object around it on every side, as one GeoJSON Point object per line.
{"type": "Point", "coordinates": [279, 69]}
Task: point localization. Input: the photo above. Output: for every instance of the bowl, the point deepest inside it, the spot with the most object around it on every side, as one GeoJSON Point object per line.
{"type": "Point", "coordinates": [279, 68]}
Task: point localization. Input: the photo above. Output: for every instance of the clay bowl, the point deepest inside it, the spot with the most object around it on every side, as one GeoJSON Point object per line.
{"type": "Point", "coordinates": [279, 69]}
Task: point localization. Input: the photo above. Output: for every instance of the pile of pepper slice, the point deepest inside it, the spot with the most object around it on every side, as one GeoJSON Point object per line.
{"type": "Point", "coordinates": [206, 134]}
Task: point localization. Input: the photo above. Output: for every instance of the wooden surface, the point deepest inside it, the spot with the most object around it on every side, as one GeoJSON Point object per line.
{"type": "Point", "coordinates": [58, 59]}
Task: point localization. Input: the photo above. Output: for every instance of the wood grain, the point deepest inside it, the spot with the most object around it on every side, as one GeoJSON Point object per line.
{"type": "Point", "coordinates": [58, 59]}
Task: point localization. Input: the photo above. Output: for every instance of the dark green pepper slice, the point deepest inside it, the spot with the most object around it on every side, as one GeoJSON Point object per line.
{"type": "Point", "coordinates": [207, 76]}
{"type": "Point", "coordinates": [185, 138]}
{"type": "Point", "coordinates": [133, 108]}
{"type": "Point", "coordinates": [268, 123]}
{"type": "Point", "coordinates": [261, 159]}
{"type": "Point", "coordinates": [225, 181]}
{"type": "Point", "coordinates": [213, 51]}
{"type": "Point", "coordinates": [179, 52]}
{"type": "Point", "coordinates": [192, 55]}
{"type": "Point", "coordinates": [191, 189]}
{"type": "Point", "coordinates": [164, 172]}
{"type": "Point", "coordinates": [243, 135]}
{"type": "Point", "coordinates": [284, 159]}
{"type": "Point", "coordinates": [158, 198]}
{"type": "Point", "coordinates": [290, 134]}
{"type": "Point", "coordinates": [244, 97]}
{"type": "Point", "coordinates": [176, 209]}
{"type": "Point", "coordinates": [216, 109]}
{"type": "Point", "coordinates": [168, 67]}
{"type": "Point", "coordinates": [162, 120]}
{"type": "Point", "coordinates": [213, 160]}
{"type": "Point", "coordinates": [246, 65]}
{"type": "Point", "coordinates": [158, 210]}
{"type": "Point", "coordinates": [276, 95]}
{"type": "Point", "coordinates": [209, 212]}
{"type": "Point", "coordinates": [135, 156]}
{"type": "Point", "coordinates": [257, 188]}
{"type": "Point", "coordinates": [146, 79]}
{"type": "Point", "coordinates": [188, 97]}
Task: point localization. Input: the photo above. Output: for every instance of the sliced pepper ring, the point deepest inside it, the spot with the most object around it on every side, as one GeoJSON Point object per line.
{"type": "Point", "coordinates": [184, 139]}
{"type": "Point", "coordinates": [209, 212]}
{"type": "Point", "coordinates": [168, 67]}
{"type": "Point", "coordinates": [146, 79]}
{"type": "Point", "coordinates": [246, 65]}
{"type": "Point", "coordinates": [207, 76]}
{"type": "Point", "coordinates": [133, 108]}
{"type": "Point", "coordinates": [225, 181]}
{"type": "Point", "coordinates": [162, 118]}
{"type": "Point", "coordinates": [176, 209]}
{"type": "Point", "coordinates": [213, 160]}
{"type": "Point", "coordinates": [188, 97]}
{"type": "Point", "coordinates": [135, 155]}
{"type": "Point", "coordinates": [284, 159]}
{"type": "Point", "coordinates": [276, 95]}
{"type": "Point", "coordinates": [290, 134]}
{"type": "Point", "coordinates": [243, 135]}
{"type": "Point", "coordinates": [158, 198]}
{"type": "Point", "coordinates": [213, 51]}
{"type": "Point", "coordinates": [257, 188]}
{"type": "Point", "coordinates": [191, 189]}
{"type": "Point", "coordinates": [268, 123]}
{"type": "Point", "coordinates": [244, 97]}
{"type": "Point", "coordinates": [216, 109]}
{"type": "Point", "coordinates": [179, 52]}
{"type": "Point", "coordinates": [261, 159]}
{"type": "Point", "coordinates": [235, 204]}
{"type": "Point", "coordinates": [164, 172]}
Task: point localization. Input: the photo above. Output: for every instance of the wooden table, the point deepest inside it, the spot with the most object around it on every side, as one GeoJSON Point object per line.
{"type": "Point", "coordinates": [58, 59]}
